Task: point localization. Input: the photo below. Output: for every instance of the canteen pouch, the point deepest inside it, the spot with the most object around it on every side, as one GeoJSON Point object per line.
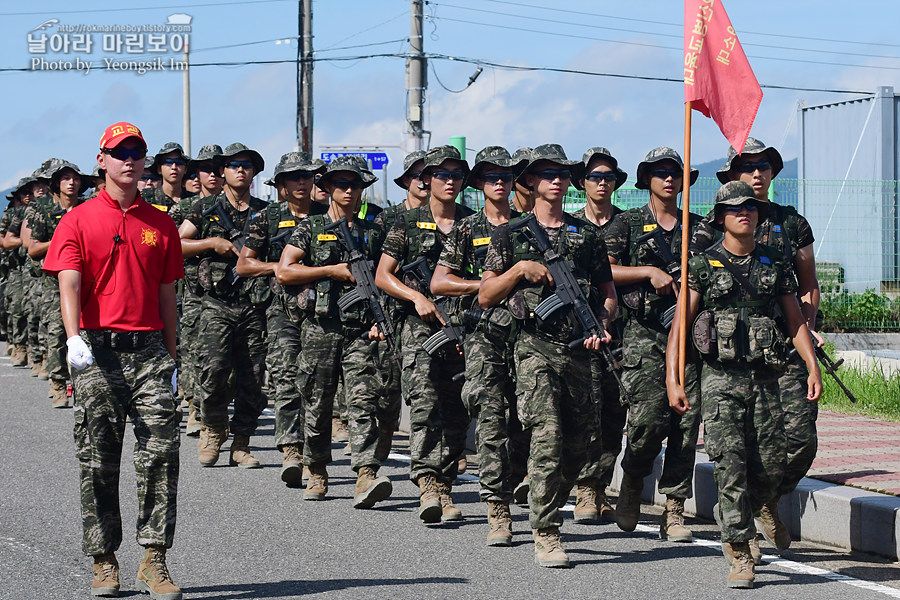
{"type": "Point", "coordinates": [703, 333]}
{"type": "Point", "coordinates": [766, 342]}
{"type": "Point", "coordinates": [727, 323]}
{"type": "Point", "coordinates": [204, 277]}
{"type": "Point", "coordinates": [324, 304]}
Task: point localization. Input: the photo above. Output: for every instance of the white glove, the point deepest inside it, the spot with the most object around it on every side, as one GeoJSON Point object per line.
{"type": "Point", "coordinates": [175, 383]}
{"type": "Point", "coordinates": [80, 356]}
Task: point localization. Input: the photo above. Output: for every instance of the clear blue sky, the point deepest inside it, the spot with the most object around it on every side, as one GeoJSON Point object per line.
{"type": "Point", "coordinates": [832, 45]}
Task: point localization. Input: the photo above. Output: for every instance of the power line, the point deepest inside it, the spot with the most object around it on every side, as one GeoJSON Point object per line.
{"type": "Point", "coordinates": [679, 49]}
{"type": "Point", "coordinates": [135, 8]}
{"type": "Point", "coordinates": [668, 35]}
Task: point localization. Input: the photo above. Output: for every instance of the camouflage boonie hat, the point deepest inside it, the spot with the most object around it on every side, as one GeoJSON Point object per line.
{"type": "Point", "coordinates": [408, 162]}
{"type": "Point", "coordinates": [736, 193]}
{"type": "Point", "coordinates": [167, 148]}
{"type": "Point", "coordinates": [601, 152]}
{"type": "Point", "coordinates": [496, 156]}
{"type": "Point", "coordinates": [752, 146]}
{"type": "Point", "coordinates": [148, 162]}
{"type": "Point", "coordinates": [207, 153]}
{"type": "Point", "coordinates": [352, 164]}
{"type": "Point", "coordinates": [236, 148]}
{"type": "Point", "coordinates": [55, 165]}
{"type": "Point", "coordinates": [658, 155]}
{"type": "Point", "coordinates": [294, 161]}
{"type": "Point", "coordinates": [41, 172]}
{"type": "Point", "coordinates": [436, 156]}
{"type": "Point", "coordinates": [25, 181]}
{"type": "Point", "coordinates": [555, 154]}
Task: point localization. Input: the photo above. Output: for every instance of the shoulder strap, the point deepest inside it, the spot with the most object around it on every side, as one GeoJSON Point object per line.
{"type": "Point", "coordinates": [715, 252]}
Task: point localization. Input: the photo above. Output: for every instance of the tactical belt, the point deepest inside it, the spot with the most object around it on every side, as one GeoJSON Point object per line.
{"type": "Point", "coordinates": [123, 341]}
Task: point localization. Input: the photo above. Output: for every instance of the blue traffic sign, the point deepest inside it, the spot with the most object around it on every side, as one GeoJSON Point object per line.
{"type": "Point", "coordinates": [378, 160]}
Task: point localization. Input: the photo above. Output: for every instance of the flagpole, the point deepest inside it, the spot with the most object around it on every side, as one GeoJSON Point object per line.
{"type": "Point", "coordinates": [685, 241]}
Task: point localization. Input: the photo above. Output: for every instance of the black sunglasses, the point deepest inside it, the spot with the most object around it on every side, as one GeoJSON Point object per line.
{"type": "Point", "coordinates": [751, 167]}
{"type": "Point", "coordinates": [124, 154]}
{"type": "Point", "coordinates": [448, 175]}
{"type": "Point", "coordinates": [236, 164]}
{"type": "Point", "coordinates": [666, 173]}
{"type": "Point", "coordinates": [598, 176]}
{"type": "Point", "coordinates": [173, 162]}
{"type": "Point", "coordinates": [497, 177]}
{"type": "Point", "coordinates": [344, 184]}
{"type": "Point", "coordinates": [551, 174]}
{"type": "Point", "coordinates": [298, 175]}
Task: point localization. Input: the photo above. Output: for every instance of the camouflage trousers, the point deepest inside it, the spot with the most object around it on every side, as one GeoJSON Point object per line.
{"type": "Point", "coordinates": [743, 431]}
{"type": "Point", "coordinates": [57, 364]}
{"type": "Point", "coordinates": [650, 420]}
{"type": "Point", "coordinates": [488, 393]}
{"type": "Point", "coordinates": [799, 423]}
{"type": "Point", "coordinates": [438, 421]}
{"type": "Point", "coordinates": [234, 335]}
{"type": "Point", "coordinates": [33, 292]}
{"type": "Point", "coordinates": [282, 360]}
{"type": "Point", "coordinates": [190, 348]}
{"type": "Point", "coordinates": [329, 348]}
{"type": "Point", "coordinates": [553, 387]}
{"type": "Point", "coordinates": [369, 414]}
{"type": "Point", "coordinates": [4, 309]}
{"type": "Point", "coordinates": [18, 315]}
{"type": "Point", "coordinates": [610, 415]}
{"type": "Point", "coordinates": [135, 386]}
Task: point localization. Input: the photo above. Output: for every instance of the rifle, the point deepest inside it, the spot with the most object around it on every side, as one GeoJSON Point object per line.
{"type": "Point", "coordinates": [365, 290]}
{"type": "Point", "coordinates": [235, 236]}
{"type": "Point", "coordinates": [448, 333]}
{"type": "Point", "coordinates": [567, 293]}
{"type": "Point", "coordinates": [831, 365]}
{"type": "Point", "coordinates": [673, 268]}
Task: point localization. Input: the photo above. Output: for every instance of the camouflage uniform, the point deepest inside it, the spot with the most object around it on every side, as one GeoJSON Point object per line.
{"type": "Point", "coordinates": [332, 343]}
{"type": "Point", "coordinates": [157, 198]}
{"type": "Point", "coordinates": [438, 419]}
{"type": "Point", "coordinates": [143, 378]}
{"type": "Point", "coordinates": [604, 446]}
{"type": "Point", "coordinates": [743, 429]}
{"type": "Point", "coordinates": [37, 326]}
{"type": "Point", "coordinates": [232, 323]}
{"type": "Point", "coordinates": [553, 383]}
{"type": "Point", "coordinates": [191, 352]}
{"type": "Point", "coordinates": [786, 231]}
{"type": "Point", "coordinates": [17, 328]}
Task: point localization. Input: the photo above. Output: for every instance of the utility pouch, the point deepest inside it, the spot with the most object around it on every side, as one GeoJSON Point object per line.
{"type": "Point", "coordinates": [727, 336]}
{"type": "Point", "coordinates": [703, 332]}
{"type": "Point", "coordinates": [766, 342]}
{"type": "Point", "coordinates": [323, 305]}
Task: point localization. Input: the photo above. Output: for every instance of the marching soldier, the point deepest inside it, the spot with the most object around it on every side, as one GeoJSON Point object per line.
{"type": "Point", "coordinates": [10, 226]}
{"type": "Point", "coordinates": [170, 163]}
{"type": "Point", "coordinates": [739, 284]}
{"type": "Point", "coordinates": [644, 248]}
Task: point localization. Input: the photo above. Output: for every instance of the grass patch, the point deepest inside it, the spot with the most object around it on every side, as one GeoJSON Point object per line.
{"type": "Point", "coordinates": [878, 394]}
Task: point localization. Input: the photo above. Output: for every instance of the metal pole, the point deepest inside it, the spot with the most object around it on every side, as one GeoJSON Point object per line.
{"type": "Point", "coordinates": [186, 102]}
{"type": "Point", "coordinates": [416, 81]}
{"type": "Point", "coordinates": [305, 68]}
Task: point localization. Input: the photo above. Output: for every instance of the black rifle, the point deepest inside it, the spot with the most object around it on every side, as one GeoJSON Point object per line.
{"type": "Point", "coordinates": [365, 290]}
{"type": "Point", "coordinates": [831, 366]}
{"type": "Point", "coordinates": [673, 267]}
{"type": "Point", "coordinates": [567, 293]}
{"type": "Point", "coordinates": [235, 236]}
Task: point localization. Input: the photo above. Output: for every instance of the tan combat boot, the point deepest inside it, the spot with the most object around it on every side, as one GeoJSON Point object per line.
{"type": "Point", "coordinates": [106, 576]}
{"type": "Point", "coordinates": [671, 522]}
{"type": "Point", "coordinates": [628, 506]}
{"type": "Point", "coordinates": [429, 499]}
{"type": "Point", "coordinates": [339, 432]}
{"type": "Point", "coordinates": [192, 428]}
{"type": "Point", "coordinates": [317, 484]}
{"type": "Point", "coordinates": [548, 550]}
{"type": "Point", "coordinates": [449, 512]}
{"type": "Point", "coordinates": [741, 574]}
{"type": "Point", "coordinates": [44, 374]}
{"type": "Point", "coordinates": [586, 501]}
{"type": "Point", "coordinates": [153, 576]}
{"type": "Point", "coordinates": [520, 494]}
{"type": "Point", "coordinates": [370, 488]}
{"type": "Point", "coordinates": [462, 464]}
{"type": "Point", "coordinates": [211, 440]}
{"type": "Point", "coordinates": [292, 465]}
{"type": "Point", "coordinates": [500, 521]}
{"type": "Point", "coordinates": [19, 356]}
{"type": "Point", "coordinates": [755, 552]}
{"type": "Point", "coordinates": [36, 366]}
{"type": "Point", "coordinates": [58, 394]}
{"type": "Point", "coordinates": [385, 438]}
{"type": "Point", "coordinates": [775, 532]}
{"type": "Point", "coordinates": [607, 514]}
{"type": "Point", "coordinates": [240, 453]}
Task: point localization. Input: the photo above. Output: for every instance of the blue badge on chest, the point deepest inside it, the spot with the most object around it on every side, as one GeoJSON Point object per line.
{"type": "Point", "coordinates": [765, 260]}
{"type": "Point", "coordinates": [573, 229]}
{"type": "Point", "coordinates": [776, 228]}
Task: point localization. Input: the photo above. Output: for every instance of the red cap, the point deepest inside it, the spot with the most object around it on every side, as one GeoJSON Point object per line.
{"type": "Point", "coordinates": [116, 133]}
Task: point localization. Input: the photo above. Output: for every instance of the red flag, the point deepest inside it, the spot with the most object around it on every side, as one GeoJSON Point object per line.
{"type": "Point", "coordinates": [718, 80]}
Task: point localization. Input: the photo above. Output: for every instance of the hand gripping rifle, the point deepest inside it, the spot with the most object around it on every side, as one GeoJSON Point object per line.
{"type": "Point", "coordinates": [235, 236]}
{"type": "Point", "coordinates": [567, 293]}
{"type": "Point", "coordinates": [831, 366]}
{"type": "Point", "coordinates": [365, 290]}
{"type": "Point", "coordinates": [673, 268]}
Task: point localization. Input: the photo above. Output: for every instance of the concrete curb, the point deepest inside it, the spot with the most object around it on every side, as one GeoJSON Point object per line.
{"type": "Point", "coordinates": [817, 511]}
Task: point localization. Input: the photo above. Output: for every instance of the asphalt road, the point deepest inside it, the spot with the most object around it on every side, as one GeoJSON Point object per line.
{"type": "Point", "coordinates": [243, 534]}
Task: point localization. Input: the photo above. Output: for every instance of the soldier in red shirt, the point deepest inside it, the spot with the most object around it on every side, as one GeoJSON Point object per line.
{"type": "Point", "coordinates": [117, 259]}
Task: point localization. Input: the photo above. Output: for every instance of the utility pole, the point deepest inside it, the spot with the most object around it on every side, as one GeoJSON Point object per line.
{"type": "Point", "coordinates": [186, 103]}
{"type": "Point", "coordinates": [416, 80]}
{"type": "Point", "coordinates": [305, 79]}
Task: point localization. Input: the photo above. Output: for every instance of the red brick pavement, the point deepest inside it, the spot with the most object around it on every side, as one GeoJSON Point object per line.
{"type": "Point", "coordinates": [857, 451]}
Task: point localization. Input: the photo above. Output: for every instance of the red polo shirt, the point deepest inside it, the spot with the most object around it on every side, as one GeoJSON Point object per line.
{"type": "Point", "coordinates": [119, 279]}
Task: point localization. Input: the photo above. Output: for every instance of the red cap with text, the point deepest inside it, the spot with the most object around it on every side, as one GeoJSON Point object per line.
{"type": "Point", "coordinates": [116, 133]}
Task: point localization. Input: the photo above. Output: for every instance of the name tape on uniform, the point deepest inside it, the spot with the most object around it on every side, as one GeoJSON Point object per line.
{"type": "Point", "coordinates": [426, 225]}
